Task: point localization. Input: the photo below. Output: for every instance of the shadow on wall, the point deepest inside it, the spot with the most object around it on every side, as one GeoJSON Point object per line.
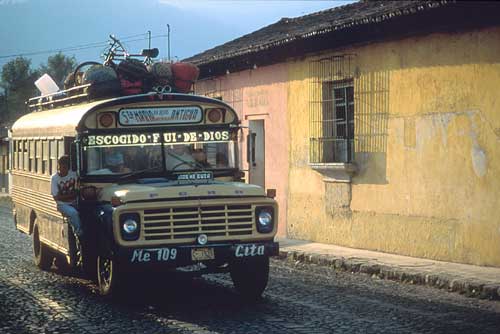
{"type": "Point", "coordinates": [371, 118]}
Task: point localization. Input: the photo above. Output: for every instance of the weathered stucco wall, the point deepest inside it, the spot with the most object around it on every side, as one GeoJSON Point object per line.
{"type": "Point", "coordinates": [427, 148]}
{"type": "Point", "coordinates": [261, 94]}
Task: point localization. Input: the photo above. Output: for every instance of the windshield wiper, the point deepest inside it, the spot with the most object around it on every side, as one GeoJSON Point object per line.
{"type": "Point", "coordinates": [194, 164]}
{"type": "Point", "coordinates": [136, 173]}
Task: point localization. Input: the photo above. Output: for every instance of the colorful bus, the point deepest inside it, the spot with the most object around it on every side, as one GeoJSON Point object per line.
{"type": "Point", "coordinates": [160, 188]}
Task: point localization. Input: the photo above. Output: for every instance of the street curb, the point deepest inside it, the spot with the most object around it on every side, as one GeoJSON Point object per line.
{"type": "Point", "coordinates": [469, 287]}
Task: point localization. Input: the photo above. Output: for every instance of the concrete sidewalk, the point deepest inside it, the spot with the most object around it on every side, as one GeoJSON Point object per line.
{"type": "Point", "coordinates": [474, 281]}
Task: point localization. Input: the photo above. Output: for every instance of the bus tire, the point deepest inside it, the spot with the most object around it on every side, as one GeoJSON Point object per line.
{"type": "Point", "coordinates": [41, 253]}
{"type": "Point", "coordinates": [75, 250]}
{"type": "Point", "coordinates": [250, 276]}
{"type": "Point", "coordinates": [82, 257]}
{"type": "Point", "coordinates": [108, 276]}
{"type": "Point", "coordinates": [90, 264]}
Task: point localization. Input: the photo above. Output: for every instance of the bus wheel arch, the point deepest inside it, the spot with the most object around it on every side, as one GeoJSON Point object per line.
{"type": "Point", "coordinates": [32, 220]}
{"type": "Point", "coordinates": [42, 254]}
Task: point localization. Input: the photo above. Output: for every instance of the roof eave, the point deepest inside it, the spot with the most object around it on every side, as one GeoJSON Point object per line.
{"type": "Point", "coordinates": [440, 18]}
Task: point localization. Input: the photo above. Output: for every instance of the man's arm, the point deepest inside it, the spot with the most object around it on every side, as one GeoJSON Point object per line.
{"type": "Point", "coordinates": [65, 198]}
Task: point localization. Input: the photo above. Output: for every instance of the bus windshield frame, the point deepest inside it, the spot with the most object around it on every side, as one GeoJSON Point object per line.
{"type": "Point", "coordinates": [161, 153]}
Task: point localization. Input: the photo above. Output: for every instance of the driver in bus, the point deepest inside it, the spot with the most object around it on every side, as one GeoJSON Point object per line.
{"type": "Point", "coordinates": [63, 189]}
{"type": "Point", "coordinates": [200, 157]}
{"type": "Point", "coordinates": [114, 160]}
{"type": "Point", "coordinates": [180, 157]}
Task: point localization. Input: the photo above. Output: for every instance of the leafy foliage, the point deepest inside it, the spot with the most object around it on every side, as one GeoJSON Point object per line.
{"type": "Point", "coordinates": [18, 82]}
{"type": "Point", "coordinates": [58, 67]}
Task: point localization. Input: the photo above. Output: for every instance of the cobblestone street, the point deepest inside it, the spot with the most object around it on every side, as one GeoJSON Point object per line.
{"type": "Point", "coordinates": [299, 299]}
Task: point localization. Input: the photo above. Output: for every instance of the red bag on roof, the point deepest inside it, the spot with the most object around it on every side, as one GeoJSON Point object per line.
{"type": "Point", "coordinates": [185, 74]}
{"type": "Point", "coordinates": [131, 87]}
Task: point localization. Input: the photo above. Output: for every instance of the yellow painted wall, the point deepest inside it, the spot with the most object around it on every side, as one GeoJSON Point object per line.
{"type": "Point", "coordinates": [428, 183]}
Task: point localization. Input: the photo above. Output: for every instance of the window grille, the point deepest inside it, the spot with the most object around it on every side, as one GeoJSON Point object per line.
{"type": "Point", "coordinates": [331, 110]}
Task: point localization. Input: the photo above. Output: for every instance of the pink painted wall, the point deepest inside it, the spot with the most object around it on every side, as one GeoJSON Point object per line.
{"type": "Point", "coordinates": [260, 94]}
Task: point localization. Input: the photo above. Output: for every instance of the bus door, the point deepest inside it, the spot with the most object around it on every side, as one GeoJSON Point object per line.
{"type": "Point", "coordinates": [256, 153]}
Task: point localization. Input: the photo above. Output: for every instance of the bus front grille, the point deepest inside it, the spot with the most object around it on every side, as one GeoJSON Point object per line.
{"type": "Point", "coordinates": [189, 222]}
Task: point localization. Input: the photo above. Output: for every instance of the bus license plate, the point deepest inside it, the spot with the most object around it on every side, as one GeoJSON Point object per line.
{"type": "Point", "coordinates": [200, 254]}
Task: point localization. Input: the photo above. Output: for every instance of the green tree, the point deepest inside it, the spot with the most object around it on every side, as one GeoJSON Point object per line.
{"type": "Point", "coordinates": [17, 81]}
{"type": "Point", "coordinates": [17, 74]}
{"type": "Point", "coordinates": [3, 107]}
{"type": "Point", "coordinates": [58, 67]}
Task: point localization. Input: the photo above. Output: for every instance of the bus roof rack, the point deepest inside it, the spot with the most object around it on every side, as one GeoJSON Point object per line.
{"type": "Point", "coordinates": [74, 95]}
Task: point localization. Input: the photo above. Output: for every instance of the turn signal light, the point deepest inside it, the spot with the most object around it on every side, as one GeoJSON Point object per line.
{"type": "Point", "coordinates": [215, 115]}
{"type": "Point", "coordinates": [116, 201]}
{"type": "Point", "coordinates": [106, 119]}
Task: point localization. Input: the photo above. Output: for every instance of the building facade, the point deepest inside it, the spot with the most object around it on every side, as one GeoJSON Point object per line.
{"type": "Point", "coordinates": [388, 114]}
{"type": "Point", "coordinates": [259, 97]}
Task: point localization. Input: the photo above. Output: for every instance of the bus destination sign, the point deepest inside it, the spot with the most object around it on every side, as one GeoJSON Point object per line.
{"type": "Point", "coordinates": [177, 137]}
{"type": "Point", "coordinates": [160, 115]}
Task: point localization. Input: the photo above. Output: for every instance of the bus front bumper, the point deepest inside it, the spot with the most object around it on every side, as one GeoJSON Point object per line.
{"type": "Point", "coordinates": [184, 255]}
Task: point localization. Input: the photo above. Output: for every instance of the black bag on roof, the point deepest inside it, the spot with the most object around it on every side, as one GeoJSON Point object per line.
{"type": "Point", "coordinates": [103, 81]}
{"type": "Point", "coordinates": [132, 70]}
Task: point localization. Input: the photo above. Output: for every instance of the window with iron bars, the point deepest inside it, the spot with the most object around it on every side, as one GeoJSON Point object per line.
{"type": "Point", "coordinates": [333, 137]}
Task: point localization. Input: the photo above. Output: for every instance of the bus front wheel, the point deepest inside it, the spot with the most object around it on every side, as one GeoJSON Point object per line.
{"type": "Point", "coordinates": [81, 254]}
{"type": "Point", "coordinates": [250, 276]}
{"type": "Point", "coordinates": [108, 276]}
{"type": "Point", "coordinates": [42, 254]}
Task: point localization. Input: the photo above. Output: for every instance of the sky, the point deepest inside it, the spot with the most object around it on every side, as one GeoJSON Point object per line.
{"type": "Point", "coordinates": [80, 28]}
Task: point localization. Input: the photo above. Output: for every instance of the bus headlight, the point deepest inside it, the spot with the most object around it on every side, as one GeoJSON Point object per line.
{"type": "Point", "coordinates": [130, 226]}
{"type": "Point", "coordinates": [264, 217]}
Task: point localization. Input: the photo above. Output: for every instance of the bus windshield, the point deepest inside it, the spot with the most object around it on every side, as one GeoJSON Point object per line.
{"type": "Point", "coordinates": [124, 159]}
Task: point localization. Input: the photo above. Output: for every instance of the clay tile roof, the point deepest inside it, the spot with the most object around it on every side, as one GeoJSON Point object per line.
{"type": "Point", "coordinates": [288, 30]}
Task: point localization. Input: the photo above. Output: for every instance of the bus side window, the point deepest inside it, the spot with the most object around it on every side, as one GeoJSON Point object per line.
{"type": "Point", "coordinates": [53, 156]}
{"type": "Point", "coordinates": [45, 158]}
{"type": "Point", "coordinates": [38, 156]}
{"type": "Point", "coordinates": [60, 149]}
{"type": "Point", "coordinates": [26, 155]}
{"type": "Point", "coordinates": [21, 155]}
{"type": "Point", "coordinates": [14, 154]}
{"type": "Point", "coordinates": [69, 148]}
{"type": "Point", "coordinates": [32, 161]}
{"type": "Point", "coordinates": [18, 154]}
